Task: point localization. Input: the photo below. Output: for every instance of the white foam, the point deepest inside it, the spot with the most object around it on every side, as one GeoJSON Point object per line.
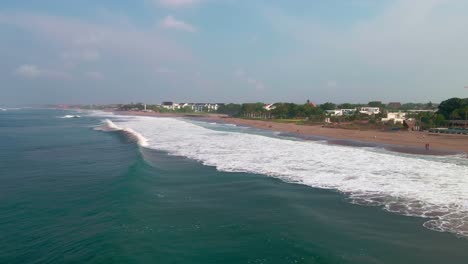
{"type": "Point", "coordinates": [405, 184]}
{"type": "Point", "coordinates": [11, 108]}
{"type": "Point", "coordinates": [70, 116]}
{"type": "Point", "coordinates": [98, 113]}
{"type": "Point", "coordinates": [108, 125]}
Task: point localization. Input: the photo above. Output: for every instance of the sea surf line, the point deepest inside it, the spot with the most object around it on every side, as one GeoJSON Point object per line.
{"type": "Point", "coordinates": [403, 184]}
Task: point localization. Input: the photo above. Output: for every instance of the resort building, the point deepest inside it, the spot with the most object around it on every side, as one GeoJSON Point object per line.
{"type": "Point", "coordinates": [196, 107]}
{"type": "Point", "coordinates": [397, 117]}
{"type": "Point", "coordinates": [341, 112]}
{"type": "Point", "coordinates": [269, 107]}
{"type": "Point", "coordinates": [170, 105]}
{"type": "Point", "coordinates": [200, 107]}
{"type": "Point", "coordinates": [348, 111]}
{"type": "Point", "coordinates": [369, 110]}
{"type": "Point", "coordinates": [333, 112]}
{"type": "Point", "coordinates": [214, 107]}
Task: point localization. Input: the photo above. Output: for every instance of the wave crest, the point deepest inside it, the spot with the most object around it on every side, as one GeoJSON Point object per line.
{"type": "Point", "coordinates": [109, 126]}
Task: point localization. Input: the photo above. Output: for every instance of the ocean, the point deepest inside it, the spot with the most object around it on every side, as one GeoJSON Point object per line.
{"type": "Point", "coordinates": [118, 189]}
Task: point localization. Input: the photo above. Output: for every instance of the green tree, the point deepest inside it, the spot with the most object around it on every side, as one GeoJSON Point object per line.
{"type": "Point", "coordinates": [376, 104]}
{"type": "Point", "coordinates": [447, 107]}
{"type": "Point", "coordinates": [429, 105]}
{"type": "Point", "coordinates": [328, 106]}
{"type": "Point", "coordinates": [464, 111]}
{"type": "Point", "coordinates": [348, 106]}
{"type": "Point", "coordinates": [455, 114]}
{"type": "Point", "coordinates": [230, 109]}
{"type": "Point", "coordinates": [439, 120]}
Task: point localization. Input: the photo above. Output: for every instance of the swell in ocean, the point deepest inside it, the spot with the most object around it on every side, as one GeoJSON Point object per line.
{"type": "Point", "coordinates": [412, 185]}
{"type": "Point", "coordinates": [109, 126]}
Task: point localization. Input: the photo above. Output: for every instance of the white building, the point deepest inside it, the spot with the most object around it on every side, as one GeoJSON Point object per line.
{"type": "Point", "coordinates": [213, 107]}
{"type": "Point", "coordinates": [369, 110]}
{"type": "Point", "coordinates": [170, 105]}
{"type": "Point", "coordinates": [269, 107]}
{"type": "Point", "coordinates": [341, 112]}
{"type": "Point", "coordinates": [334, 112]}
{"type": "Point", "coordinates": [397, 117]}
{"type": "Point", "coordinates": [183, 105]}
{"type": "Point", "coordinates": [348, 111]}
{"type": "Point", "coordinates": [196, 107]}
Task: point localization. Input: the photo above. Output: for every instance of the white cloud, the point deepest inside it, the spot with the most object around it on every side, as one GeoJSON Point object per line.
{"type": "Point", "coordinates": [178, 3]}
{"type": "Point", "coordinates": [170, 22]}
{"type": "Point", "coordinates": [32, 71]}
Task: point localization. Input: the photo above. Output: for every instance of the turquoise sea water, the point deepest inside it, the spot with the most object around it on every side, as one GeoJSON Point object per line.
{"type": "Point", "coordinates": [71, 194]}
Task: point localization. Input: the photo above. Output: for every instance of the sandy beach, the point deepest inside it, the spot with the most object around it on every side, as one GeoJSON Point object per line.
{"type": "Point", "coordinates": [404, 141]}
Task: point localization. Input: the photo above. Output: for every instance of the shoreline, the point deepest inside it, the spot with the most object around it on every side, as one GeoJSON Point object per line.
{"type": "Point", "coordinates": [399, 141]}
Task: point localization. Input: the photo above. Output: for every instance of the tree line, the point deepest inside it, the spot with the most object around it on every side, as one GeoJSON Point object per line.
{"type": "Point", "coordinates": [450, 109]}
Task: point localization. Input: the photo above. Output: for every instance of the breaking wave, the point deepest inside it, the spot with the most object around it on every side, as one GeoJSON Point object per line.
{"type": "Point", "coordinates": [109, 126]}
{"type": "Point", "coordinates": [405, 184]}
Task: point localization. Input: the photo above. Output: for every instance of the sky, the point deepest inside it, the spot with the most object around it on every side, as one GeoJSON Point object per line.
{"type": "Point", "coordinates": [116, 51]}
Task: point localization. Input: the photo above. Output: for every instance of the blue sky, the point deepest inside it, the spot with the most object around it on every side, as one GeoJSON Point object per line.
{"type": "Point", "coordinates": [103, 51]}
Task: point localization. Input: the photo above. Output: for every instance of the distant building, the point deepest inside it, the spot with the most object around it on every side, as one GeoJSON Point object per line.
{"type": "Point", "coordinates": [269, 107]}
{"type": "Point", "coordinates": [397, 117]}
{"type": "Point", "coordinates": [369, 110]}
{"type": "Point", "coordinates": [146, 110]}
{"type": "Point", "coordinates": [341, 112]}
{"type": "Point", "coordinates": [334, 112]}
{"type": "Point", "coordinates": [394, 105]}
{"type": "Point", "coordinates": [196, 107]}
{"type": "Point", "coordinates": [213, 107]}
{"type": "Point", "coordinates": [170, 105]}
{"type": "Point", "coordinates": [184, 105]}
{"type": "Point", "coordinates": [348, 111]}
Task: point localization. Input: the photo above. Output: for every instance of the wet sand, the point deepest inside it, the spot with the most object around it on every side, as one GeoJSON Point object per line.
{"type": "Point", "coordinates": [413, 142]}
{"type": "Point", "coordinates": [401, 141]}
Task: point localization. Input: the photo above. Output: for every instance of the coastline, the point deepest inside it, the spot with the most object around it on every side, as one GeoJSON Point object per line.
{"type": "Point", "coordinates": [399, 141]}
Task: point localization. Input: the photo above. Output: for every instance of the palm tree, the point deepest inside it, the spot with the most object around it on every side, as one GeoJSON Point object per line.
{"type": "Point", "coordinates": [465, 109]}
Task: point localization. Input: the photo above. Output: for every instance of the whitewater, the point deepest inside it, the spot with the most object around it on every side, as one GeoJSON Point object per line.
{"type": "Point", "coordinates": [430, 187]}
